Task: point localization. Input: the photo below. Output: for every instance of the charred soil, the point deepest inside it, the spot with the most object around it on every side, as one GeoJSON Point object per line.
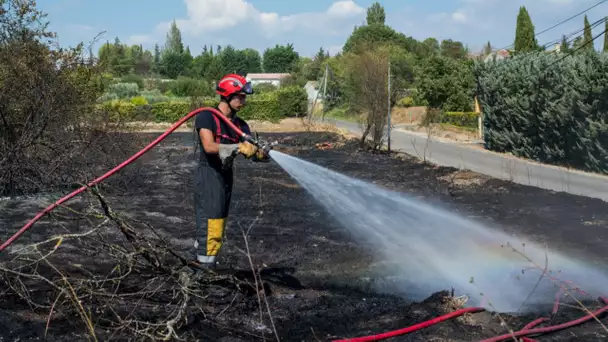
{"type": "Point", "coordinates": [118, 273]}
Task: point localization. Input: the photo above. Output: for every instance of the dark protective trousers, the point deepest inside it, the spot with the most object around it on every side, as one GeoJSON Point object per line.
{"type": "Point", "coordinates": [212, 195]}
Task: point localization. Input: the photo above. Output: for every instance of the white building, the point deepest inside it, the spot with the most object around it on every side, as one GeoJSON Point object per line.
{"type": "Point", "coordinates": [274, 79]}
{"type": "Point", "coordinates": [312, 91]}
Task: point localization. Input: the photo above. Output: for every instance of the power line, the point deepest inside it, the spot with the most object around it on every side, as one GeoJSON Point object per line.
{"type": "Point", "coordinates": [560, 23]}
{"type": "Point", "coordinates": [576, 50]}
{"type": "Point", "coordinates": [568, 54]}
{"type": "Point", "coordinates": [575, 34]}
{"type": "Point", "coordinates": [572, 17]}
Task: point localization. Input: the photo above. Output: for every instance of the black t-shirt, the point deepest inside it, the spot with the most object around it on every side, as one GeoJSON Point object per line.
{"type": "Point", "coordinates": [206, 119]}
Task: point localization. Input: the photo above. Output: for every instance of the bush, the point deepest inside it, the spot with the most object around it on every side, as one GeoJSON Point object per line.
{"type": "Point", "coordinates": [460, 119]}
{"type": "Point", "coordinates": [124, 90]}
{"type": "Point", "coordinates": [293, 101]}
{"type": "Point", "coordinates": [405, 102]}
{"type": "Point", "coordinates": [108, 97]}
{"type": "Point", "coordinates": [139, 101]}
{"type": "Point", "coordinates": [185, 86]}
{"type": "Point", "coordinates": [137, 79]}
{"type": "Point", "coordinates": [154, 96]}
{"type": "Point", "coordinates": [549, 111]}
{"type": "Point", "coordinates": [256, 109]}
{"type": "Point", "coordinates": [262, 88]}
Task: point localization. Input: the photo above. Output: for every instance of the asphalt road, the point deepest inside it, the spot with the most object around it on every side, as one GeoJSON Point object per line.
{"type": "Point", "coordinates": [493, 164]}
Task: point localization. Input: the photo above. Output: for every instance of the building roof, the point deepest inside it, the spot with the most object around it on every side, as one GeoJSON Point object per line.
{"type": "Point", "coordinates": [267, 76]}
{"type": "Point", "coordinates": [498, 55]}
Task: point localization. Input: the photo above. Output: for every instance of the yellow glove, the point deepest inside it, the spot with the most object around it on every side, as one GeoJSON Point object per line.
{"type": "Point", "coordinates": [247, 149]}
{"type": "Point", "coordinates": [261, 156]}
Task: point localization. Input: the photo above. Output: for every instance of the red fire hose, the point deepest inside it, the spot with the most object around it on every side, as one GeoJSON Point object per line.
{"type": "Point", "coordinates": [122, 165]}
{"type": "Point", "coordinates": [413, 328]}
{"type": "Point", "coordinates": [527, 330]}
{"type": "Point", "coordinates": [552, 328]}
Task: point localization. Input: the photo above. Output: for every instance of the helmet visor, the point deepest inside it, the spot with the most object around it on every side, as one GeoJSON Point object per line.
{"type": "Point", "coordinates": [247, 89]}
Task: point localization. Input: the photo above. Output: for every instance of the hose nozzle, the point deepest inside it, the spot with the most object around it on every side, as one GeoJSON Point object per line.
{"type": "Point", "coordinates": [265, 146]}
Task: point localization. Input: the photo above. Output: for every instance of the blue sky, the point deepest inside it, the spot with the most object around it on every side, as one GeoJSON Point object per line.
{"type": "Point", "coordinates": [307, 24]}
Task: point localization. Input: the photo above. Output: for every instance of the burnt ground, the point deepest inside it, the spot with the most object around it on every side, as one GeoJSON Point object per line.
{"type": "Point", "coordinates": [314, 271]}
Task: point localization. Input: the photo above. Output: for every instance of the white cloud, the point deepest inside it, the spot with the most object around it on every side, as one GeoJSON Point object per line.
{"type": "Point", "coordinates": [238, 22]}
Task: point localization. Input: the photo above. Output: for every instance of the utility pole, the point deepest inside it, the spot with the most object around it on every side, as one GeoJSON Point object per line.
{"type": "Point", "coordinates": [324, 91]}
{"type": "Point", "coordinates": [389, 107]}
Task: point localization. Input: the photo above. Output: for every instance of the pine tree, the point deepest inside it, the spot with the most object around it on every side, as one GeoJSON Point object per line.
{"type": "Point", "coordinates": [588, 36]}
{"type": "Point", "coordinates": [525, 40]}
{"type": "Point", "coordinates": [174, 39]}
{"type": "Point", "coordinates": [376, 14]}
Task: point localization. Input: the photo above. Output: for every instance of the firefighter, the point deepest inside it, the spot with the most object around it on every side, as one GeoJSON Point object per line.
{"type": "Point", "coordinates": [219, 145]}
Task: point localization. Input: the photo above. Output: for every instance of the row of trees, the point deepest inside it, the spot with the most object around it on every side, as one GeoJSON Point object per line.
{"type": "Point", "coordinates": [175, 59]}
{"type": "Point", "coordinates": [525, 36]}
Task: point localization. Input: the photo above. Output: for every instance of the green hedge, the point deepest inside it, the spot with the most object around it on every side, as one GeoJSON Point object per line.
{"type": "Point", "coordinates": [293, 101]}
{"type": "Point", "coordinates": [256, 109]}
{"type": "Point", "coordinates": [272, 106]}
{"type": "Point", "coordinates": [546, 109]}
{"type": "Point", "coordinates": [460, 119]}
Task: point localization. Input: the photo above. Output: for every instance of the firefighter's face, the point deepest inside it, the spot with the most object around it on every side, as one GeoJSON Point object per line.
{"type": "Point", "coordinates": [238, 101]}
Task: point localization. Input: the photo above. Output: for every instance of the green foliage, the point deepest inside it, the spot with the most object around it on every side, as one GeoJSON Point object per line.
{"type": "Point", "coordinates": [139, 101]}
{"type": "Point", "coordinates": [429, 47]}
{"type": "Point", "coordinates": [525, 38]}
{"type": "Point", "coordinates": [564, 45]}
{"type": "Point", "coordinates": [170, 111]}
{"type": "Point", "coordinates": [605, 49]}
{"type": "Point", "coordinates": [154, 96]}
{"type": "Point", "coordinates": [174, 64]}
{"type": "Point", "coordinates": [293, 101]}
{"type": "Point", "coordinates": [376, 14]}
{"type": "Point", "coordinates": [461, 119]}
{"type": "Point", "coordinates": [377, 34]}
{"type": "Point", "coordinates": [588, 35]}
{"type": "Point", "coordinates": [553, 114]}
{"type": "Point", "coordinates": [240, 61]}
{"type": "Point", "coordinates": [272, 106]}
{"type": "Point", "coordinates": [185, 87]}
{"type": "Point", "coordinates": [453, 49]}
{"type": "Point", "coordinates": [123, 90]}
{"type": "Point", "coordinates": [132, 78]}
{"type": "Point", "coordinates": [406, 102]}
{"type": "Point", "coordinates": [488, 49]}
{"type": "Point", "coordinates": [262, 88]}
{"type": "Point", "coordinates": [445, 83]}
{"type": "Point", "coordinates": [280, 59]}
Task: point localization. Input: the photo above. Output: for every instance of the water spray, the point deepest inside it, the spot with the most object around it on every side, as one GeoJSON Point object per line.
{"type": "Point", "coordinates": [265, 146]}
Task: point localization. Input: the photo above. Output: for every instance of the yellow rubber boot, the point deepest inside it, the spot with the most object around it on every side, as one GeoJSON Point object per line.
{"type": "Point", "coordinates": [215, 237]}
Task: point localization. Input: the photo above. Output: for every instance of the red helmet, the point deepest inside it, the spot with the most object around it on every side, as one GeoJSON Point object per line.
{"type": "Point", "coordinates": [233, 84]}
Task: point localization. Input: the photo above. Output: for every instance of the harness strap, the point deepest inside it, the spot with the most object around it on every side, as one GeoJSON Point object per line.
{"type": "Point", "coordinates": [218, 132]}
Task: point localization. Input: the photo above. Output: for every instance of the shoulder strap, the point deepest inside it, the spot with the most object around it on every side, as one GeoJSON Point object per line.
{"type": "Point", "coordinates": [218, 129]}
{"type": "Point", "coordinates": [218, 132]}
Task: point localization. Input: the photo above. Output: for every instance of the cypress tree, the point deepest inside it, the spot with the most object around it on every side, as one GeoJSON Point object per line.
{"type": "Point", "coordinates": [525, 40]}
{"type": "Point", "coordinates": [488, 49]}
{"type": "Point", "coordinates": [564, 46]}
{"type": "Point", "coordinates": [588, 36]}
{"type": "Point", "coordinates": [606, 36]}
